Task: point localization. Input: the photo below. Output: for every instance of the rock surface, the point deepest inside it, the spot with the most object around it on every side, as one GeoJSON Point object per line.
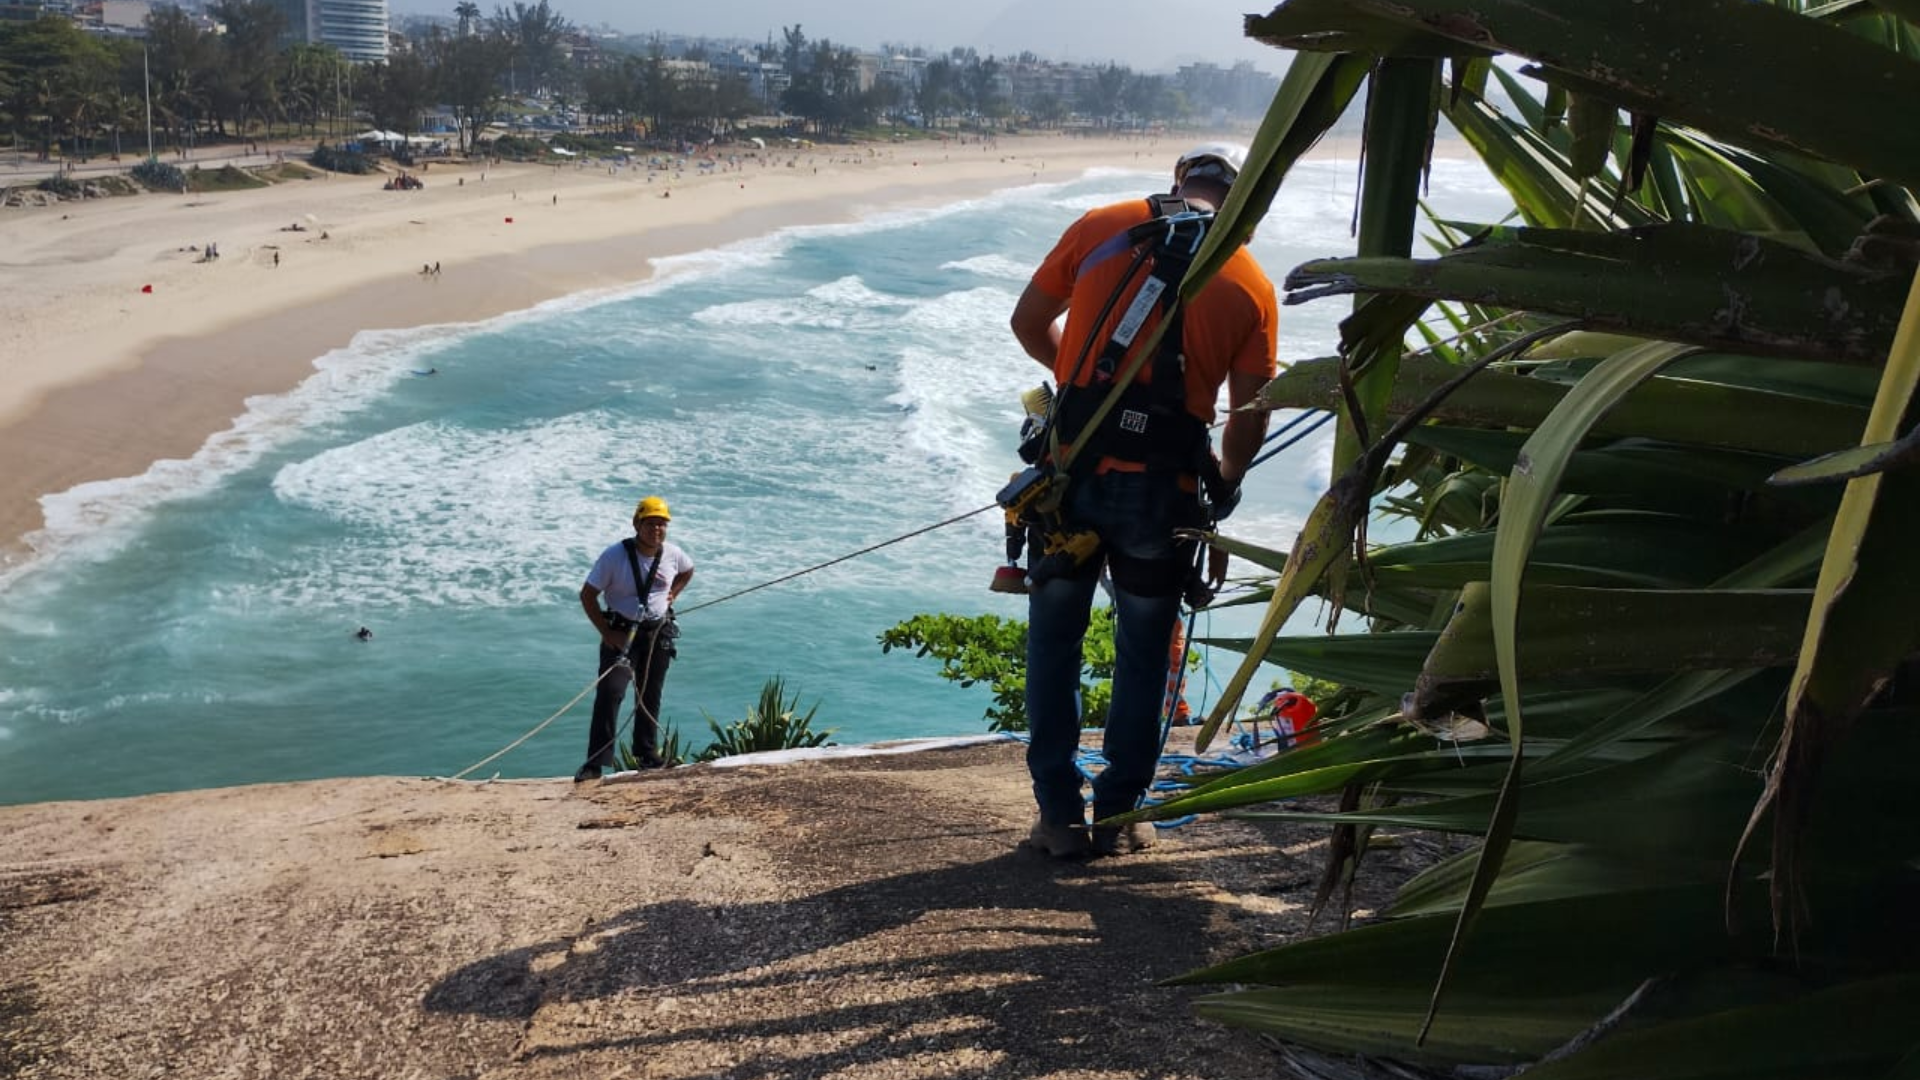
{"type": "Point", "coordinates": [870, 918]}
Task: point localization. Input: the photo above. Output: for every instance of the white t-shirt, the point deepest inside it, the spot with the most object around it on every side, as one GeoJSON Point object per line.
{"type": "Point", "coordinates": [613, 576]}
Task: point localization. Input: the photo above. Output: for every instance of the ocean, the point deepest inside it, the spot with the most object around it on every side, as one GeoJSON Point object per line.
{"type": "Point", "coordinates": [796, 398]}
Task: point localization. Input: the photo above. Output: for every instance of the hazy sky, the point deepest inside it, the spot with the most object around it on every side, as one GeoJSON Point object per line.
{"type": "Point", "coordinates": [1142, 35]}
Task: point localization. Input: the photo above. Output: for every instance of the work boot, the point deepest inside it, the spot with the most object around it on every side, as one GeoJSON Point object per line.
{"type": "Point", "coordinates": [649, 760]}
{"type": "Point", "coordinates": [1123, 839]}
{"type": "Point", "coordinates": [1059, 841]}
{"type": "Point", "coordinates": [587, 772]}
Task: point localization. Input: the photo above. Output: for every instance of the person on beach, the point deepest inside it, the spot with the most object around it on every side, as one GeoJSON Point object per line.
{"type": "Point", "coordinates": [638, 579]}
{"type": "Point", "coordinates": [1148, 483]}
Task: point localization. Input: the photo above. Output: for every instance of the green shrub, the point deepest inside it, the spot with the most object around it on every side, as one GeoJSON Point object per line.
{"type": "Point", "coordinates": [160, 176]}
{"type": "Point", "coordinates": [773, 724]}
{"type": "Point", "coordinates": [990, 649]}
{"type": "Point", "coordinates": [518, 148]}
{"type": "Point", "coordinates": [225, 178]}
{"type": "Point", "coordinates": [672, 749]}
{"type": "Point", "coordinates": [62, 185]}
{"type": "Point", "coordinates": [336, 159]}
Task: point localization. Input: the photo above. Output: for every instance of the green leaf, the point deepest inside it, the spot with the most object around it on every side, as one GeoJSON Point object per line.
{"type": "Point", "coordinates": [1524, 510]}
{"type": "Point", "coordinates": [1854, 1029]}
{"type": "Point", "coordinates": [1862, 623]}
{"type": "Point", "coordinates": [1695, 63]}
{"type": "Point", "coordinates": [1709, 287]}
{"type": "Point", "coordinates": [1774, 417]}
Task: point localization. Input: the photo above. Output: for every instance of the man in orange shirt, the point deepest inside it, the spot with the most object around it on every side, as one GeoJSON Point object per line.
{"type": "Point", "coordinates": [1138, 477]}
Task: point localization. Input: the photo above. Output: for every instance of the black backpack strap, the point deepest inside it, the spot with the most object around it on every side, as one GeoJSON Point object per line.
{"type": "Point", "coordinates": [633, 564]}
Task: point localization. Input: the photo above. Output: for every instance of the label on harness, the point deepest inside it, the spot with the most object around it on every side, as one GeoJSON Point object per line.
{"type": "Point", "coordinates": [1133, 421]}
{"type": "Point", "coordinates": [1143, 302]}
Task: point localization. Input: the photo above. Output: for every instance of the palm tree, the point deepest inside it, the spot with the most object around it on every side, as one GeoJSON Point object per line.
{"type": "Point", "coordinates": [1651, 637]}
{"type": "Point", "coordinates": [468, 13]}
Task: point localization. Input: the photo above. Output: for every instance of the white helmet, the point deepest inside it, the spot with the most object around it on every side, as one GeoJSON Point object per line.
{"type": "Point", "coordinates": [1220, 160]}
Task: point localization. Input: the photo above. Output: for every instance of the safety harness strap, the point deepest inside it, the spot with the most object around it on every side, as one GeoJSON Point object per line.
{"type": "Point", "coordinates": [653, 573]}
{"type": "Point", "coordinates": [1147, 423]}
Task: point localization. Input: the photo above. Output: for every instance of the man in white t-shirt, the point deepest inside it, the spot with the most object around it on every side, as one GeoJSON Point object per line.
{"type": "Point", "coordinates": [638, 579]}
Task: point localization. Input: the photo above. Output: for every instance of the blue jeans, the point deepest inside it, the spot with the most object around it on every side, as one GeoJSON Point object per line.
{"type": "Point", "coordinates": [1135, 515]}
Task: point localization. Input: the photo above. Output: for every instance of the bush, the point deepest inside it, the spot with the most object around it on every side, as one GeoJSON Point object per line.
{"type": "Point", "coordinates": [773, 724]}
{"type": "Point", "coordinates": [672, 749]}
{"type": "Point", "coordinates": [225, 178]}
{"type": "Point", "coordinates": [62, 185]}
{"type": "Point", "coordinates": [336, 159]}
{"type": "Point", "coordinates": [160, 176]}
{"type": "Point", "coordinates": [518, 148]}
{"type": "Point", "coordinates": [989, 649]}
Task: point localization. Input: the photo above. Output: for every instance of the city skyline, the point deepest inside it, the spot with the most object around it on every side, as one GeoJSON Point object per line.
{"type": "Point", "coordinates": [1134, 33]}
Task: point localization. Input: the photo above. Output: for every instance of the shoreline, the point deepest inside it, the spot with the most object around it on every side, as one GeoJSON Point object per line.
{"type": "Point", "coordinates": [105, 381]}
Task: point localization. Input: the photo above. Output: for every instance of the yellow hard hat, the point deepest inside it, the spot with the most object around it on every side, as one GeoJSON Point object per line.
{"type": "Point", "coordinates": [651, 507]}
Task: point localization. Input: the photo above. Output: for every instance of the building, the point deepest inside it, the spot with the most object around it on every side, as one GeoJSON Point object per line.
{"type": "Point", "coordinates": [358, 28]}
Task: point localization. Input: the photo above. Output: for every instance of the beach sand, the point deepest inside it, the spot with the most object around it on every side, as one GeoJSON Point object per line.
{"type": "Point", "coordinates": [99, 378]}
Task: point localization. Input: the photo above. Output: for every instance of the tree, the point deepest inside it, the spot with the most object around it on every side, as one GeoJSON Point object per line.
{"type": "Point", "coordinates": [985, 96]}
{"type": "Point", "coordinates": [57, 77]}
{"type": "Point", "coordinates": [243, 83]}
{"type": "Point", "coordinates": [310, 78]}
{"type": "Point", "coordinates": [468, 13]}
{"type": "Point", "coordinates": [534, 33]}
{"type": "Point", "coordinates": [939, 91]}
{"type": "Point", "coordinates": [794, 53]}
{"type": "Point", "coordinates": [181, 59]}
{"type": "Point", "coordinates": [1654, 654]}
{"type": "Point", "coordinates": [1104, 97]}
{"type": "Point", "coordinates": [396, 92]}
{"type": "Point", "coordinates": [467, 76]}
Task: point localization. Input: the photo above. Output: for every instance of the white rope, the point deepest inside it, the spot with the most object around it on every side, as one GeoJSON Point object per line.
{"type": "Point", "coordinates": [536, 729]}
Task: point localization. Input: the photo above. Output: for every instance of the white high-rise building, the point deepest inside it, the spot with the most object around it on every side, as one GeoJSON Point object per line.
{"type": "Point", "coordinates": [358, 28]}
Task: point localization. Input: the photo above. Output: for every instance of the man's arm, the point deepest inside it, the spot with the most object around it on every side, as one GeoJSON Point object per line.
{"type": "Point", "coordinates": [1245, 431]}
{"type": "Point", "coordinates": [1036, 325]}
{"type": "Point", "coordinates": [679, 583]}
{"type": "Point", "coordinates": [590, 601]}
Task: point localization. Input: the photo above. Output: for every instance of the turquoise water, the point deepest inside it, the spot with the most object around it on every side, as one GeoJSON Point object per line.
{"type": "Point", "coordinates": [796, 398]}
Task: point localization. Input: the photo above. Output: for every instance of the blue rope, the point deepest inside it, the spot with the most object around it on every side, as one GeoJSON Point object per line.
{"type": "Point", "coordinates": [1311, 428]}
{"type": "Point", "coordinates": [1090, 762]}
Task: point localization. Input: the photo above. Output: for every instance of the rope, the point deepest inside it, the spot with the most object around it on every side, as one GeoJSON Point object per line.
{"type": "Point", "coordinates": [537, 728]}
{"type": "Point", "coordinates": [868, 550]}
{"type": "Point", "coordinates": [851, 555]}
{"type": "Point", "coordinates": [1310, 429]}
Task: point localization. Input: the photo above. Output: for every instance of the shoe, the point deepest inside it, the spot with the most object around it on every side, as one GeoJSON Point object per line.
{"type": "Point", "coordinates": [650, 761]}
{"type": "Point", "coordinates": [1060, 841]}
{"type": "Point", "coordinates": [587, 772]}
{"type": "Point", "coordinates": [1123, 839]}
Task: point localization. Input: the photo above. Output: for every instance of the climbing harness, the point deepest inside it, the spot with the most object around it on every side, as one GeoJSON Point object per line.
{"type": "Point", "coordinates": [1133, 421]}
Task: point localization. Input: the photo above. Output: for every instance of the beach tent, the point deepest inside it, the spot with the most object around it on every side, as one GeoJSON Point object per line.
{"type": "Point", "coordinates": [376, 135]}
{"type": "Point", "coordinates": [562, 151]}
{"type": "Point", "coordinates": [758, 141]}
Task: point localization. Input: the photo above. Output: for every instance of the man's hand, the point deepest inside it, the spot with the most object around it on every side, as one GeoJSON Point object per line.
{"type": "Point", "coordinates": [1223, 500]}
{"type": "Point", "coordinates": [1216, 567]}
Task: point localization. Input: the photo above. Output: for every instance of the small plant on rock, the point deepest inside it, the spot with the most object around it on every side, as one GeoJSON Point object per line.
{"type": "Point", "coordinates": [773, 724]}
